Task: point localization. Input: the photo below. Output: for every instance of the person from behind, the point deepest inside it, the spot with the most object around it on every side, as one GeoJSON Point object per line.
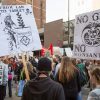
{"type": "Point", "coordinates": [3, 78]}
{"type": "Point", "coordinates": [6, 62]}
{"type": "Point", "coordinates": [58, 65]}
{"type": "Point", "coordinates": [33, 62]}
{"type": "Point", "coordinates": [43, 87]}
{"type": "Point", "coordinates": [19, 69]}
{"type": "Point", "coordinates": [82, 69]}
{"type": "Point", "coordinates": [80, 65]}
{"type": "Point", "coordinates": [90, 68]}
{"type": "Point", "coordinates": [68, 76]}
{"type": "Point", "coordinates": [9, 81]}
{"type": "Point", "coordinates": [31, 70]}
{"type": "Point", "coordinates": [95, 78]}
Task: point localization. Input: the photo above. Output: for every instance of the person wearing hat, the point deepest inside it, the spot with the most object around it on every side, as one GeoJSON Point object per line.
{"type": "Point", "coordinates": [43, 87]}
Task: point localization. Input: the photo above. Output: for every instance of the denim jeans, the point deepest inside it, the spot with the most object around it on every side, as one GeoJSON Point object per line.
{"type": "Point", "coordinates": [79, 97]}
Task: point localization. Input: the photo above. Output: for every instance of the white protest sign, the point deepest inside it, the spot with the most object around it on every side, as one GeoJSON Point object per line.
{"type": "Point", "coordinates": [68, 52]}
{"type": "Point", "coordinates": [18, 31]}
{"type": "Point", "coordinates": [87, 36]}
{"type": "Point", "coordinates": [58, 51]}
{"type": "Point", "coordinates": [62, 51]}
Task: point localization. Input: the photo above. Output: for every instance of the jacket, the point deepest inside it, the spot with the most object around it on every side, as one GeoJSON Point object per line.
{"type": "Point", "coordinates": [5, 73]}
{"type": "Point", "coordinates": [43, 89]}
{"type": "Point", "coordinates": [71, 87]}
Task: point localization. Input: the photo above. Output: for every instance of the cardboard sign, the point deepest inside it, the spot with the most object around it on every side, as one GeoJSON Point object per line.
{"type": "Point", "coordinates": [18, 31]}
{"type": "Point", "coordinates": [87, 36]}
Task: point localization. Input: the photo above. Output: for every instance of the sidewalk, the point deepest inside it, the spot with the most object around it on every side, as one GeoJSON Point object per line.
{"type": "Point", "coordinates": [85, 92]}
{"type": "Point", "coordinates": [14, 97]}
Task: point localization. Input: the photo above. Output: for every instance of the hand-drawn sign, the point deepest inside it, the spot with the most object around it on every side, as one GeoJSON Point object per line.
{"type": "Point", "coordinates": [9, 26]}
{"type": "Point", "coordinates": [91, 34]}
{"type": "Point", "coordinates": [25, 40]}
{"type": "Point", "coordinates": [18, 30]}
{"type": "Point", "coordinates": [19, 35]}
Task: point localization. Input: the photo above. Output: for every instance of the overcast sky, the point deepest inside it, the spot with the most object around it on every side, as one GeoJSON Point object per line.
{"type": "Point", "coordinates": [57, 9]}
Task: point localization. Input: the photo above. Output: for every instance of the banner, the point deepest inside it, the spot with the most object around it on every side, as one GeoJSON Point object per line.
{"type": "Point", "coordinates": [18, 31]}
{"type": "Point", "coordinates": [87, 36]}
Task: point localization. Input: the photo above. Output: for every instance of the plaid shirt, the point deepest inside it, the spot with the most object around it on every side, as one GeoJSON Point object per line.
{"type": "Point", "coordinates": [95, 94]}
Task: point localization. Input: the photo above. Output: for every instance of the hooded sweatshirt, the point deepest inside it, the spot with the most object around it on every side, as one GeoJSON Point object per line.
{"type": "Point", "coordinates": [43, 89]}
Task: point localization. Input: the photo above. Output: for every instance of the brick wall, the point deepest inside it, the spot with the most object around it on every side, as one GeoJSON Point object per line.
{"type": "Point", "coordinates": [53, 33]}
{"type": "Point", "coordinates": [39, 9]}
{"type": "Point", "coordinates": [13, 2]}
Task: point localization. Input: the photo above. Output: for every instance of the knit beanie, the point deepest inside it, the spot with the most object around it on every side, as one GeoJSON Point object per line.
{"type": "Point", "coordinates": [44, 64]}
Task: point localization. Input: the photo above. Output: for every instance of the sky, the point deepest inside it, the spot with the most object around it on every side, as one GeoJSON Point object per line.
{"type": "Point", "coordinates": [55, 9]}
{"type": "Point", "coordinates": [58, 9]}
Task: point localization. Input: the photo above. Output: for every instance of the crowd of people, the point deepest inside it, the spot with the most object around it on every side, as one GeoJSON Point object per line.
{"type": "Point", "coordinates": [51, 78]}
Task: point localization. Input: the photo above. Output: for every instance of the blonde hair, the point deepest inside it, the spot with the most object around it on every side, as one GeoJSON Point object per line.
{"type": "Point", "coordinates": [5, 60]}
{"type": "Point", "coordinates": [67, 69]}
{"type": "Point", "coordinates": [96, 73]}
{"type": "Point", "coordinates": [30, 68]}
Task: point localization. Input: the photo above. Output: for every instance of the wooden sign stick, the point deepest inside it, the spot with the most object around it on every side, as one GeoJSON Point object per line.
{"type": "Point", "coordinates": [27, 54]}
{"type": "Point", "coordinates": [25, 67]}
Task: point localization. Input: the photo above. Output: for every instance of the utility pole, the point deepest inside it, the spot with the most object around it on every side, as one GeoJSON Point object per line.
{"type": "Point", "coordinates": [68, 25]}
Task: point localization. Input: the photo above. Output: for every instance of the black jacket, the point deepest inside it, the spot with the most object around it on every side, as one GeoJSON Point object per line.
{"type": "Point", "coordinates": [43, 89]}
{"type": "Point", "coordinates": [71, 87]}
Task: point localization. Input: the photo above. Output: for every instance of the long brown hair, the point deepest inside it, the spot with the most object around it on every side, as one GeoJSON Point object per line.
{"type": "Point", "coordinates": [5, 60]}
{"type": "Point", "coordinates": [67, 69]}
{"type": "Point", "coordinates": [30, 68]}
{"type": "Point", "coordinates": [96, 73]}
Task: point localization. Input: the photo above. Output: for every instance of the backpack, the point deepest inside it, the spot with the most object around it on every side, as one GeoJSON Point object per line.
{"type": "Point", "coordinates": [83, 78]}
{"type": "Point", "coordinates": [9, 76]}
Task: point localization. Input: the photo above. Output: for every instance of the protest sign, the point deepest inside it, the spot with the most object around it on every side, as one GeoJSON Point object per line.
{"type": "Point", "coordinates": [87, 36]}
{"type": "Point", "coordinates": [18, 31]}
{"type": "Point", "coordinates": [68, 52]}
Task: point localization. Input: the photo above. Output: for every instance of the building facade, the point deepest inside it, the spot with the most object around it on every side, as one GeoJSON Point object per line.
{"type": "Point", "coordinates": [39, 9]}
{"type": "Point", "coordinates": [57, 33]}
{"type": "Point", "coordinates": [68, 33]}
{"type": "Point", "coordinates": [53, 33]}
